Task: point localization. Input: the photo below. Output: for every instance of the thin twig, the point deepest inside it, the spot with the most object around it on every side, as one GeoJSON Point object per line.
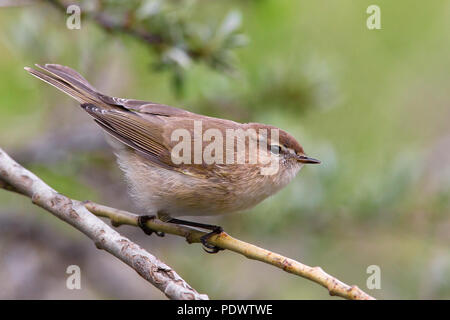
{"type": "Point", "coordinates": [225, 241]}
{"type": "Point", "coordinates": [14, 177]}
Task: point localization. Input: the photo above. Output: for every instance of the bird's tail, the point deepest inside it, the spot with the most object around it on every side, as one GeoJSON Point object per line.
{"type": "Point", "coordinates": [70, 82]}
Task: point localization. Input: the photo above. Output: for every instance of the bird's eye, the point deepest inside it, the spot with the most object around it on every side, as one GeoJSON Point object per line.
{"type": "Point", "coordinates": [275, 149]}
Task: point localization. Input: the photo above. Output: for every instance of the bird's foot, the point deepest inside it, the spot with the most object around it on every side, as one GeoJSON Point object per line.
{"type": "Point", "coordinates": [209, 248]}
{"type": "Point", "coordinates": [142, 223]}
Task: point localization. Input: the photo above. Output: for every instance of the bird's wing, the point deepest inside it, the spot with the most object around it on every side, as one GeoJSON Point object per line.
{"type": "Point", "coordinates": [151, 137]}
{"type": "Point", "coordinates": [144, 126]}
{"type": "Point", "coordinates": [130, 121]}
{"type": "Point", "coordinates": [137, 133]}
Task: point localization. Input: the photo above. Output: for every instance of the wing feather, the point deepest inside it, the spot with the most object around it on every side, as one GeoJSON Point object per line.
{"type": "Point", "coordinates": [131, 130]}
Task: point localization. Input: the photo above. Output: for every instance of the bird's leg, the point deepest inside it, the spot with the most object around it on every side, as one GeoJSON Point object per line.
{"type": "Point", "coordinates": [142, 223]}
{"type": "Point", "coordinates": [204, 239]}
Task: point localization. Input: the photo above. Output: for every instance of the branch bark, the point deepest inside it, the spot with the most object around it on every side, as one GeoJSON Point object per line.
{"type": "Point", "coordinates": [14, 177]}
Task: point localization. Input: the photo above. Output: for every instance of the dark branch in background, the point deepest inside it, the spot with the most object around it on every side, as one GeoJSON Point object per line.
{"type": "Point", "coordinates": [175, 40]}
{"type": "Point", "coordinates": [109, 25]}
{"type": "Point", "coordinates": [15, 178]}
{"type": "Point", "coordinates": [103, 21]}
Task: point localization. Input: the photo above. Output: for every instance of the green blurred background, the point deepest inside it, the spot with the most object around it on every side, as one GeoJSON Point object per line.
{"type": "Point", "coordinates": [373, 105]}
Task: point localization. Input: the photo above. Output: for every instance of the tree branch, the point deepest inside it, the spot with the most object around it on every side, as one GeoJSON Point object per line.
{"type": "Point", "coordinates": [108, 25]}
{"type": "Point", "coordinates": [14, 177]}
{"type": "Point", "coordinates": [225, 241]}
{"type": "Point", "coordinates": [214, 50]}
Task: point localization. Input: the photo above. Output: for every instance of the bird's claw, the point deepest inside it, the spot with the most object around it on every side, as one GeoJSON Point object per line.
{"type": "Point", "coordinates": [142, 223]}
{"type": "Point", "coordinates": [209, 248]}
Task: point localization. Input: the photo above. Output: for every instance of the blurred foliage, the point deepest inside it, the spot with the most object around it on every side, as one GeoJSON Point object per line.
{"type": "Point", "coordinates": [372, 105]}
{"type": "Point", "coordinates": [171, 31]}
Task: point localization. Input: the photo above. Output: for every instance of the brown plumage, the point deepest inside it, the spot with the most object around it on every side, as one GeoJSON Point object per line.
{"type": "Point", "coordinates": [141, 133]}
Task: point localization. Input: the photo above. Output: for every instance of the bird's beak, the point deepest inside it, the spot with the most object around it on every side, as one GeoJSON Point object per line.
{"type": "Point", "coordinates": [305, 159]}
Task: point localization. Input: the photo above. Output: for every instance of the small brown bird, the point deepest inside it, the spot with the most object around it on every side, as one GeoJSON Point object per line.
{"type": "Point", "coordinates": [171, 177]}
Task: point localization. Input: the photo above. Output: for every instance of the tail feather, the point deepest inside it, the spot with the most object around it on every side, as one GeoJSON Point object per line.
{"type": "Point", "coordinates": [69, 82]}
{"type": "Point", "coordinates": [72, 77]}
{"type": "Point", "coordinates": [57, 84]}
{"type": "Point", "coordinates": [66, 71]}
